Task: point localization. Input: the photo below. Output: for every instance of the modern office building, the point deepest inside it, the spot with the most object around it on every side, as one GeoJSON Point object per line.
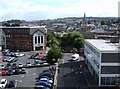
{"type": "Point", "coordinates": [103, 61]}
{"type": "Point", "coordinates": [25, 38]}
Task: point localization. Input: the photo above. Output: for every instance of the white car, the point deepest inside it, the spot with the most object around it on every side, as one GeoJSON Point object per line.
{"type": "Point", "coordinates": [28, 64]}
{"type": "Point", "coordinates": [74, 57]}
{"type": "Point", "coordinates": [19, 54]}
{"type": "Point", "coordinates": [2, 66]}
{"type": "Point", "coordinates": [3, 83]}
{"type": "Point", "coordinates": [20, 65]}
{"type": "Point", "coordinates": [47, 80]}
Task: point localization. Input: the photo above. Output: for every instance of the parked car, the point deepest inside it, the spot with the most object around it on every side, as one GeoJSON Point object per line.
{"type": "Point", "coordinates": [8, 65]}
{"type": "Point", "coordinates": [74, 57]}
{"type": "Point", "coordinates": [2, 66]}
{"type": "Point", "coordinates": [48, 74]}
{"type": "Point", "coordinates": [40, 57]}
{"type": "Point", "coordinates": [46, 80]}
{"type": "Point", "coordinates": [20, 65]}
{"type": "Point", "coordinates": [11, 83]}
{"type": "Point", "coordinates": [12, 59]}
{"type": "Point", "coordinates": [19, 54]}
{"type": "Point", "coordinates": [45, 84]}
{"type": "Point", "coordinates": [44, 62]}
{"type": "Point", "coordinates": [4, 72]}
{"type": "Point", "coordinates": [44, 58]}
{"type": "Point", "coordinates": [3, 83]}
{"type": "Point", "coordinates": [23, 71]}
{"type": "Point", "coordinates": [14, 65]}
{"type": "Point", "coordinates": [9, 72]}
{"type": "Point", "coordinates": [28, 64]}
{"type": "Point", "coordinates": [15, 60]}
{"type": "Point", "coordinates": [36, 62]}
{"type": "Point", "coordinates": [16, 71]}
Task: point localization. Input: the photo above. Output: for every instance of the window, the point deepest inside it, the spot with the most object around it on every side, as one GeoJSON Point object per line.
{"type": "Point", "coordinates": [38, 39]}
{"type": "Point", "coordinates": [35, 39]}
{"type": "Point", "coordinates": [41, 39]}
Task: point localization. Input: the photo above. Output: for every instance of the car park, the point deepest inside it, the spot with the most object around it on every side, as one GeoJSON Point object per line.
{"type": "Point", "coordinates": [11, 83]}
{"type": "Point", "coordinates": [3, 83]}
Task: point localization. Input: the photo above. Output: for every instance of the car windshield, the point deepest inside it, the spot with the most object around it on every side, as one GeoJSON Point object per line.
{"type": "Point", "coordinates": [73, 57]}
{"type": "Point", "coordinates": [2, 82]}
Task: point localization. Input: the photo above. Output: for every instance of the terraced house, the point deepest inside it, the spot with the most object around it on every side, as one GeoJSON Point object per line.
{"type": "Point", "coordinates": [25, 38]}
{"type": "Point", "coordinates": [103, 60]}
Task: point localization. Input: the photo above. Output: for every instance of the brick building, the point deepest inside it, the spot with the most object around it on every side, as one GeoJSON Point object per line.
{"type": "Point", "coordinates": [25, 38]}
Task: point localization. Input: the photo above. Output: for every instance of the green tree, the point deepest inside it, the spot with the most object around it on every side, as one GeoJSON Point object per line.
{"type": "Point", "coordinates": [54, 54]}
{"type": "Point", "coordinates": [51, 40]}
{"type": "Point", "coordinates": [74, 39]}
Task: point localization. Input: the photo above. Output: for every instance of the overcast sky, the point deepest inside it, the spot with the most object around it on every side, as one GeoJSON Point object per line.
{"type": "Point", "coordinates": [50, 9]}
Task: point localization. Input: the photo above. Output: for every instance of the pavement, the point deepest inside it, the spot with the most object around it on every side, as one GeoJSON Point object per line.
{"type": "Point", "coordinates": [74, 75]}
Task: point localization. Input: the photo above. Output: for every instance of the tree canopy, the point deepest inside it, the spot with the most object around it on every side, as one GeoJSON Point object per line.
{"type": "Point", "coordinates": [54, 54]}
{"type": "Point", "coordinates": [73, 39]}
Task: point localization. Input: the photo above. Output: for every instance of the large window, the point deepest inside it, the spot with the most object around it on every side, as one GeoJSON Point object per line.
{"type": "Point", "coordinates": [38, 39]}
{"type": "Point", "coordinates": [35, 39]}
{"type": "Point", "coordinates": [41, 39]}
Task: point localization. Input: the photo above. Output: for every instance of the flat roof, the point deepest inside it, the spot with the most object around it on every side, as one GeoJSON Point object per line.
{"type": "Point", "coordinates": [104, 45]}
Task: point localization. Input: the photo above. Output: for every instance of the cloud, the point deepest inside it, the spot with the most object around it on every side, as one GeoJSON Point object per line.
{"type": "Point", "coordinates": [47, 9]}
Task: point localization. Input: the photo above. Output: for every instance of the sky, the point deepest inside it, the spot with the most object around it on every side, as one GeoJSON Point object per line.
{"type": "Point", "coordinates": [52, 9]}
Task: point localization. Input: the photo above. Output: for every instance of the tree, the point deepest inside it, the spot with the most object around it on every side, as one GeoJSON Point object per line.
{"type": "Point", "coordinates": [74, 40]}
{"type": "Point", "coordinates": [54, 54]}
{"type": "Point", "coordinates": [51, 40]}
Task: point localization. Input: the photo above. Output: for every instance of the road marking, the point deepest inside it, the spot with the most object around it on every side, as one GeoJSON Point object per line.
{"type": "Point", "coordinates": [22, 76]}
{"type": "Point", "coordinates": [34, 74]}
{"type": "Point", "coordinates": [20, 81]}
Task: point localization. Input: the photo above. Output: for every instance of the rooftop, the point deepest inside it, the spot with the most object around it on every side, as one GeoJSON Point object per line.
{"type": "Point", "coordinates": [104, 45]}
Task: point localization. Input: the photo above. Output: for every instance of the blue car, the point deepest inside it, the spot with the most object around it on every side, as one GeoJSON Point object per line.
{"type": "Point", "coordinates": [9, 72]}
{"type": "Point", "coordinates": [45, 84]}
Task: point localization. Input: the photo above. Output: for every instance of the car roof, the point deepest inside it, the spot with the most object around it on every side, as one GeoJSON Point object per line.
{"type": "Point", "coordinates": [3, 79]}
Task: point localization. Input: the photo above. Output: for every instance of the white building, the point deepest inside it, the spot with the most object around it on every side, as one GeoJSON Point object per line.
{"type": "Point", "coordinates": [2, 40]}
{"type": "Point", "coordinates": [103, 60]}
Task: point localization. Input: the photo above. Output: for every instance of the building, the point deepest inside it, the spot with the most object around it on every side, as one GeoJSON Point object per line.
{"type": "Point", "coordinates": [103, 60]}
{"type": "Point", "coordinates": [2, 40]}
{"type": "Point", "coordinates": [25, 38]}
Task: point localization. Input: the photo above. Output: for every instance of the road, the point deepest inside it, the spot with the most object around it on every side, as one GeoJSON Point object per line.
{"type": "Point", "coordinates": [71, 75]}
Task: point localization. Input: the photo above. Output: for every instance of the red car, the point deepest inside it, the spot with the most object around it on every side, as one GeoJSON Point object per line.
{"type": "Point", "coordinates": [4, 72]}
{"type": "Point", "coordinates": [40, 57]}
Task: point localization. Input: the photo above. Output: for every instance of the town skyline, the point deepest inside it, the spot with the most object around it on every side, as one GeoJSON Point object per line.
{"type": "Point", "coordinates": [40, 10]}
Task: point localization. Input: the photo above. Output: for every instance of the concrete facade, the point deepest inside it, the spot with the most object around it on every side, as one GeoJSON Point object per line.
{"type": "Point", "coordinates": [102, 58]}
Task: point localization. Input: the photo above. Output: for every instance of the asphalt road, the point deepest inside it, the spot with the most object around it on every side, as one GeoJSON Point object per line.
{"type": "Point", "coordinates": [71, 75]}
